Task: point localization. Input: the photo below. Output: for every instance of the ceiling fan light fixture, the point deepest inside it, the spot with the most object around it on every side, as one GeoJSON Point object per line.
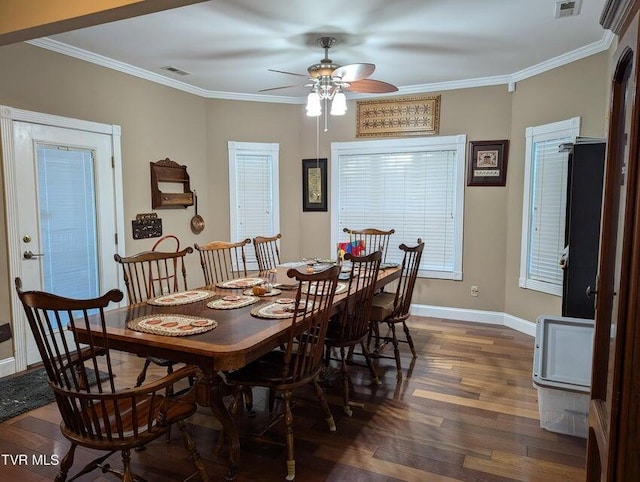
{"type": "Point", "coordinates": [314, 108]}
{"type": "Point", "coordinates": [339, 104]}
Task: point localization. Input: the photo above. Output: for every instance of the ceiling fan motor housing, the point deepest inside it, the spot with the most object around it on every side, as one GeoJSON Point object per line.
{"type": "Point", "coordinates": [326, 65]}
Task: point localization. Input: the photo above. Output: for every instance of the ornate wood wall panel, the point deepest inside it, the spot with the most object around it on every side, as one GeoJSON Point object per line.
{"type": "Point", "coordinates": [414, 116]}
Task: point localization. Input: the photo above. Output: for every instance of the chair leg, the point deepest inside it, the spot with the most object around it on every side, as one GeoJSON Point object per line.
{"type": "Point", "coordinates": [409, 339]}
{"type": "Point", "coordinates": [193, 451]}
{"type": "Point", "coordinates": [374, 334]}
{"type": "Point", "coordinates": [143, 373]}
{"type": "Point", "coordinates": [288, 420]}
{"type": "Point", "coordinates": [372, 370]}
{"type": "Point", "coordinates": [127, 476]}
{"type": "Point", "coordinates": [66, 464]}
{"type": "Point", "coordinates": [345, 383]}
{"type": "Point", "coordinates": [324, 406]}
{"type": "Point", "coordinates": [396, 351]}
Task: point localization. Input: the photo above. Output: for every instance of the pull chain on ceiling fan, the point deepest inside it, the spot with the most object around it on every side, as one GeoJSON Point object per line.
{"type": "Point", "coordinates": [329, 82]}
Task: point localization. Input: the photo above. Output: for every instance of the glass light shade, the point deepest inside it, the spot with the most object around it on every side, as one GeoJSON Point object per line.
{"type": "Point", "coordinates": [339, 104]}
{"type": "Point", "coordinates": [314, 108]}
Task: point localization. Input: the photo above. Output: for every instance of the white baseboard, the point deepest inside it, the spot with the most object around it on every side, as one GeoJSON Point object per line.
{"type": "Point", "coordinates": [7, 366]}
{"type": "Point", "coordinates": [476, 316]}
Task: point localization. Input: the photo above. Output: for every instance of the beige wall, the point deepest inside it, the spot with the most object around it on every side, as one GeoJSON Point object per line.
{"type": "Point", "coordinates": [577, 89]}
{"type": "Point", "coordinates": [159, 122]}
{"type": "Point", "coordinates": [254, 122]}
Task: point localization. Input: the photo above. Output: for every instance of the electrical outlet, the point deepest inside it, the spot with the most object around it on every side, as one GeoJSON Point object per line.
{"type": "Point", "coordinates": [474, 291]}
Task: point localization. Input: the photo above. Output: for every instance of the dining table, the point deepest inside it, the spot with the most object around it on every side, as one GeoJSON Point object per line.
{"type": "Point", "coordinates": [238, 337]}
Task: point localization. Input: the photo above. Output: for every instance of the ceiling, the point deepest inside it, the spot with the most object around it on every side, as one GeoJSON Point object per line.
{"type": "Point", "coordinates": [227, 46]}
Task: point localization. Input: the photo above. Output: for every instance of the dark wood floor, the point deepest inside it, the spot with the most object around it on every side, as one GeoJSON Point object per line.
{"type": "Point", "coordinates": [465, 411]}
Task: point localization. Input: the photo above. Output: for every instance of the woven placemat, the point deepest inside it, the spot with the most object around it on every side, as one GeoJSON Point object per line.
{"type": "Point", "coordinates": [240, 283]}
{"type": "Point", "coordinates": [172, 325]}
{"type": "Point", "coordinates": [273, 292]}
{"type": "Point", "coordinates": [232, 301]}
{"type": "Point", "coordinates": [181, 298]}
{"type": "Point", "coordinates": [340, 288]}
{"type": "Point", "coordinates": [273, 311]}
{"type": "Point", "coordinates": [279, 309]}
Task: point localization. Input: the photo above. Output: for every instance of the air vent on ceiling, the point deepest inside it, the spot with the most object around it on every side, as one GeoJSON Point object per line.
{"type": "Point", "coordinates": [175, 70]}
{"type": "Point", "coordinates": [568, 8]}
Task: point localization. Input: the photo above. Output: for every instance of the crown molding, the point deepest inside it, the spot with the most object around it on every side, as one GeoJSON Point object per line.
{"type": "Point", "coordinates": [510, 79]}
{"type": "Point", "coordinates": [614, 14]}
{"type": "Point", "coordinates": [603, 44]}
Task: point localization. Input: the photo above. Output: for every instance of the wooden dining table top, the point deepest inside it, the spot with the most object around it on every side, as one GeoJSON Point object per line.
{"type": "Point", "coordinates": [238, 339]}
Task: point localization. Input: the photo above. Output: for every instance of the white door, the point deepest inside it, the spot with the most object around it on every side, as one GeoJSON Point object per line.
{"type": "Point", "coordinates": [66, 217]}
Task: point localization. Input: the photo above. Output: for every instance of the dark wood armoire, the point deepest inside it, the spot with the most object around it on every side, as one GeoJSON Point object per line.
{"type": "Point", "coordinates": [582, 237]}
{"type": "Point", "coordinates": [613, 445]}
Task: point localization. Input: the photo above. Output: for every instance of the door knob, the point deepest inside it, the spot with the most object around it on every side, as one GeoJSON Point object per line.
{"type": "Point", "coordinates": [29, 255]}
{"type": "Point", "coordinates": [590, 292]}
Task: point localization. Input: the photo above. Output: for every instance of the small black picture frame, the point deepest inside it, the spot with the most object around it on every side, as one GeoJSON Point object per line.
{"type": "Point", "coordinates": [314, 184]}
{"type": "Point", "coordinates": [487, 163]}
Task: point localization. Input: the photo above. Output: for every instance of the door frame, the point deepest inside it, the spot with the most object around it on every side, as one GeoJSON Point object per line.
{"type": "Point", "coordinates": [8, 115]}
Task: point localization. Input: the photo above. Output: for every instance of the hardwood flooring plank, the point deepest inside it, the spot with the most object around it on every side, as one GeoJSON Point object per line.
{"type": "Point", "coordinates": [355, 458]}
{"type": "Point", "coordinates": [524, 468]}
{"type": "Point", "coordinates": [524, 409]}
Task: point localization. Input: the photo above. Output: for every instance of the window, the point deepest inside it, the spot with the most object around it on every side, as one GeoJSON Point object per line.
{"type": "Point", "coordinates": [544, 205]}
{"type": "Point", "coordinates": [254, 194]}
{"type": "Point", "coordinates": [415, 186]}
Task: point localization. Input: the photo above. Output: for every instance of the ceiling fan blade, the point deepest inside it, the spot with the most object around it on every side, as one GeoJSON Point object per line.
{"type": "Point", "coordinates": [371, 86]}
{"type": "Point", "coordinates": [278, 88]}
{"type": "Point", "coordinates": [289, 73]}
{"type": "Point", "coordinates": [354, 72]}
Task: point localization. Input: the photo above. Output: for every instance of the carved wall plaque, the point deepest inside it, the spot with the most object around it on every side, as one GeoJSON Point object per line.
{"type": "Point", "coordinates": [414, 116]}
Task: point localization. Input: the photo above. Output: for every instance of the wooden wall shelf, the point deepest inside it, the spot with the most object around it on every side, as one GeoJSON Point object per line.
{"type": "Point", "coordinates": [168, 171]}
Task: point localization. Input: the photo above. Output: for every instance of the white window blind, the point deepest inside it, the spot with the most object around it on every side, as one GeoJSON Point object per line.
{"type": "Point", "coordinates": [68, 221]}
{"type": "Point", "coordinates": [544, 206]}
{"type": "Point", "coordinates": [254, 193]}
{"type": "Point", "coordinates": [412, 186]}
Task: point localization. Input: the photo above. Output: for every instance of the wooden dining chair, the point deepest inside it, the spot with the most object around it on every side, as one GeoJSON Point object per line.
{"type": "Point", "coordinates": [374, 239]}
{"type": "Point", "coordinates": [298, 361]}
{"type": "Point", "coordinates": [394, 308]}
{"type": "Point", "coordinates": [167, 241]}
{"type": "Point", "coordinates": [150, 274]}
{"type": "Point", "coordinates": [222, 260]}
{"type": "Point", "coordinates": [95, 413]}
{"type": "Point", "coordinates": [351, 326]}
{"type": "Point", "coordinates": [267, 251]}
{"type": "Point", "coordinates": [153, 273]}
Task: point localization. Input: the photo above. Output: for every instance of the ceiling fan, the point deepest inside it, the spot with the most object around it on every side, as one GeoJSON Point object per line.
{"type": "Point", "coordinates": [329, 82]}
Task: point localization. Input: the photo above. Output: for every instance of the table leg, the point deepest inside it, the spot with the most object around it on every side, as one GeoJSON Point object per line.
{"type": "Point", "coordinates": [210, 393]}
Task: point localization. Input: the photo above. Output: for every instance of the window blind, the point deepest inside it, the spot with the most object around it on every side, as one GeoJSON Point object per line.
{"type": "Point", "coordinates": [544, 205]}
{"type": "Point", "coordinates": [254, 194]}
{"type": "Point", "coordinates": [68, 229]}
{"type": "Point", "coordinates": [548, 211]}
{"type": "Point", "coordinates": [416, 192]}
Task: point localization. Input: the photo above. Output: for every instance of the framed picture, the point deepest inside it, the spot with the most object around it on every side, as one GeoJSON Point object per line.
{"type": "Point", "coordinates": [487, 164]}
{"type": "Point", "coordinates": [314, 184]}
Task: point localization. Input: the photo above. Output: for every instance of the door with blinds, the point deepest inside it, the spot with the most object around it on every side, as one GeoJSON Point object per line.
{"type": "Point", "coordinates": [64, 217]}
